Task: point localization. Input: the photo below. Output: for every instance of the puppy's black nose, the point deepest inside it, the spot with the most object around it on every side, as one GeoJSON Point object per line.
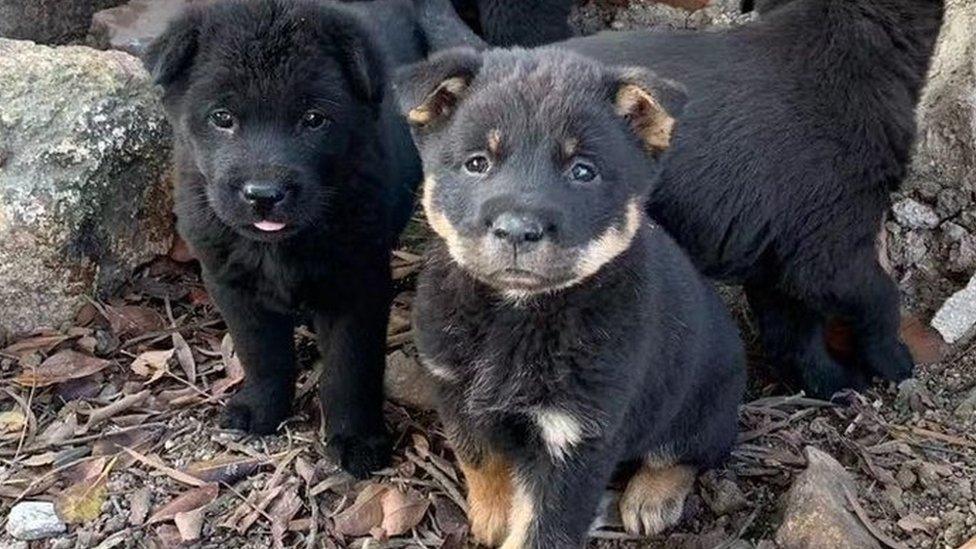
{"type": "Point", "coordinates": [517, 228]}
{"type": "Point", "coordinates": [263, 195]}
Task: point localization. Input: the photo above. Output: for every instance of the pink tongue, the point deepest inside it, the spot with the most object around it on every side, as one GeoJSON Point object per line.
{"type": "Point", "coordinates": [269, 226]}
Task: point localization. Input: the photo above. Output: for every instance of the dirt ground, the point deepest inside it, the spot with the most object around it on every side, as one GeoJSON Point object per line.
{"type": "Point", "coordinates": [114, 419]}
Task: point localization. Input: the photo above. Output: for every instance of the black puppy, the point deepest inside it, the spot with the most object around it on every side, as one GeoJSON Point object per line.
{"type": "Point", "coordinates": [295, 176]}
{"type": "Point", "coordinates": [568, 332]}
{"type": "Point", "coordinates": [798, 128]}
{"type": "Point", "coordinates": [518, 22]}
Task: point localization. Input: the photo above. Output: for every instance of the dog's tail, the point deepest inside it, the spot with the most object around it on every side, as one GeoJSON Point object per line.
{"type": "Point", "coordinates": [443, 28]}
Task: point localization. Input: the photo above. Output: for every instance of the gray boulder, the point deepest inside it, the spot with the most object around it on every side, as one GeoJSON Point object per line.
{"type": "Point", "coordinates": [84, 186]}
{"type": "Point", "coordinates": [33, 520]}
{"type": "Point", "coordinates": [133, 25]}
{"type": "Point", "coordinates": [49, 21]}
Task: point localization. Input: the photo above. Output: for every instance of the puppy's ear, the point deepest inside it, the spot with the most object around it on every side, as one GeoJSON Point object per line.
{"type": "Point", "coordinates": [428, 92]}
{"type": "Point", "coordinates": [344, 35]}
{"type": "Point", "coordinates": [650, 104]}
{"type": "Point", "coordinates": [171, 55]}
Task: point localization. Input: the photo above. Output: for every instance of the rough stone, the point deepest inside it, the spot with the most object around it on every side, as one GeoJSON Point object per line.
{"type": "Point", "coordinates": [967, 408]}
{"type": "Point", "coordinates": [32, 520]}
{"type": "Point", "coordinates": [132, 26]}
{"type": "Point", "coordinates": [84, 186]}
{"type": "Point", "coordinates": [718, 14]}
{"type": "Point", "coordinates": [49, 21]}
{"type": "Point", "coordinates": [956, 320]}
{"type": "Point", "coordinates": [912, 213]}
{"type": "Point", "coordinates": [723, 495]}
{"type": "Point", "coordinates": [407, 382]}
{"type": "Point", "coordinates": [815, 509]}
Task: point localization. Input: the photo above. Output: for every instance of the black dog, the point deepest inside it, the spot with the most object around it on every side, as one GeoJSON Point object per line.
{"type": "Point", "coordinates": [518, 22]}
{"type": "Point", "coordinates": [797, 129]}
{"type": "Point", "coordinates": [296, 174]}
{"type": "Point", "coordinates": [569, 333]}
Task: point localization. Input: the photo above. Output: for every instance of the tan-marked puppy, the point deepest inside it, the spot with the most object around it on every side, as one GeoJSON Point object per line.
{"type": "Point", "coordinates": [568, 333]}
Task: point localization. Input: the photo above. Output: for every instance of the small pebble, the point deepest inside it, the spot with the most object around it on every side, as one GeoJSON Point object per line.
{"type": "Point", "coordinates": [32, 520]}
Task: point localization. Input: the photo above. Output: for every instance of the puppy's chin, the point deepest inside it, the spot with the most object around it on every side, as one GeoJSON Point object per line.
{"type": "Point", "coordinates": [537, 274]}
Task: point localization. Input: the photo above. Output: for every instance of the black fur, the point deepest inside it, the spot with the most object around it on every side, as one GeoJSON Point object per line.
{"type": "Point", "coordinates": [518, 22]}
{"type": "Point", "coordinates": [640, 352]}
{"type": "Point", "coordinates": [346, 190]}
{"type": "Point", "coordinates": [797, 129]}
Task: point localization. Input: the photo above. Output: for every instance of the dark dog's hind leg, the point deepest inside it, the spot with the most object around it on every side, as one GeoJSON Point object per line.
{"type": "Point", "coordinates": [793, 338]}
{"type": "Point", "coordinates": [868, 298]}
{"type": "Point", "coordinates": [264, 342]}
{"type": "Point", "coordinates": [351, 390]}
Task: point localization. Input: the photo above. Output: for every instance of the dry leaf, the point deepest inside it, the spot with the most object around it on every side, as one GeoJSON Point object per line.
{"type": "Point", "coordinates": [364, 514]}
{"type": "Point", "coordinates": [152, 363]}
{"type": "Point", "coordinates": [227, 469]}
{"type": "Point", "coordinates": [132, 320]}
{"type": "Point", "coordinates": [61, 367]}
{"type": "Point", "coordinates": [12, 421]}
{"type": "Point", "coordinates": [189, 523]}
{"type": "Point", "coordinates": [127, 402]}
{"type": "Point", "coordinates": [138, 506]}
{"type": "Point", "coordinates": [283, 510]}
{"type": "Point", "coordinates": [84, 470]}
{"type": "Point", "coordinates": [42, 343]}
{"type": "Point", "coordinates": [232, 367]}
{"type": "Point", "coordinates": [40, 460]}
{"type": "Point", "coordinates": [192, 499]}
{"type": "Point", "coordinates": [184, 355]}
{"type": "Point", "coordinates": [402, 511]}
{"type": "Point", "coordinates": [113, 443]}
{"type": "Point", "coordinates": [305, 470]}
{"type": "Point", "coordinates": [158, 464]}
{"type": "Point", "coordinates": [82, 502]}
{"type": "Point", "coordinates": [59, 430]}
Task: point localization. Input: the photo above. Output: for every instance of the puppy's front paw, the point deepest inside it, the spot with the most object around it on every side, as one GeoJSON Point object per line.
{"type": "Point", "coordinates": [655, 499]}
{"type": "Point", "coordinates": [257, 408]}
{"type": "Point", "coordinates": [361, 454]}
{"type": "Point", "coordinates": [489, 498]}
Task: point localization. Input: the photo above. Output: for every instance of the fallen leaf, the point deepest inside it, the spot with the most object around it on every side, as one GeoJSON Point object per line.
{"type": "Point", "coordinates": [158, 464]}
{"type": "Point", "coordinates": [59, 430]}
{"type": "Point", "coordinates": [40, 460]}
{"type": "Point", "coordinates": [184, 355]}
{"type": "Point", "coordinates": [234, 371]}
{"type": "Point", "coordinates": [82, 502]}
{"type": "Point", "coordinates": [169, 536]}
{"type": "Point", "coordinates": [113, 443]}
{"type": "Point", "coordinates": [130, 320]}
{"type": "Point", "coordinates": [61, 367]}
{"type": "Point", "coordinates": [12, 421]}
{"type": "Point", "coordinates": [305, 470]}
{"type": "Point", "coordinates": [189, 523]}
{"type": "Point", "coordinates": [127, 402]}
{"type": "Point", "coordinates": [364, 514]}
{"type": "Point", "coordinates": [192, 499]}
{"type": "Point", "coordinates": [227, 469]}
{"type": "Point", "coordinates": [152, 364]}
{"type": "Point", "coordinates": [138, 506]}
{"type": "Point", "coordinates": [402, 511]}
{"type": "Point", "coordinates": [284, 509]}
{"type": "Point", "coordinates": [85, 469]}
{"type": "Point", "coordinates": [41, 343]}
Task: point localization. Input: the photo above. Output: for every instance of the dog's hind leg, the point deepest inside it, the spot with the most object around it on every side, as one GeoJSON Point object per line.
{"type": "Point", "coordinates": [655, 498]}
{"type": "Point", "coordinates": [868, 298]}
{"type": "Point", "coordinates": [793, 339]}
{"type": "Point", "coordinates": [351, 390]}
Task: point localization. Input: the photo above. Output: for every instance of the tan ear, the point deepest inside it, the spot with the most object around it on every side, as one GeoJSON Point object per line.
{"type": "Point", "coordinates": [439, 103]}
{"type": "Point", "coordinates": [647, 117]}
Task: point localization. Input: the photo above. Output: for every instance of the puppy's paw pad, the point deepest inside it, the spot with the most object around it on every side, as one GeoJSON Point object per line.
{"type": "Point", "coordinates": [361, 455]}
{"type": "Point", "coordinates": [654, 499]}
{"type": "Point", "coordinates": [245, 413]}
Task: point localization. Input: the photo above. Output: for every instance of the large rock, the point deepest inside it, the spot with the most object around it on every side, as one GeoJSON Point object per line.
{"type": "Point", "coordinates": [49, 21]}
{"type": "Point", "coordinates": [132, 26]}
{"type": "Point", "coordinates": [33, 520]}
{"type": "Point", "coordinates": [84, 190]}
{"type": "Point", "coordinates": [815, 513]}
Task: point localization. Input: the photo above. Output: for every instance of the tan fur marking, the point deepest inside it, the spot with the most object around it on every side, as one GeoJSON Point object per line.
{"type": "Point", "coordinates": [439, 102]}
{"type": "Point", "coordinates": [495, 142]}
{"type": "Point", "coordinates": [655, 498]}
{"type": "Point", "coordinates": [489, 498]}
{"type": "Point", "coordinates": [651, 122]}
{"type": "Point", "coordinates": [570, 146]}
{"type": "Point", "coordinates": [438, 221]}
{"type": "Point", "coordinates": [520, 518]}
{"type": "Point", "coordinates": [611, 243]}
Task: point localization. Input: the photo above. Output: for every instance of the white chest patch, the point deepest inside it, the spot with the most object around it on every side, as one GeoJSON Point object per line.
{"type": "Point", "coordinates": [559, 430]}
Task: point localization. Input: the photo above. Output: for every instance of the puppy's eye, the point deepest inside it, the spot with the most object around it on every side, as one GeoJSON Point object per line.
{"type": "Point", "coordinates": [477, 164]}
{"type": "Point", "coordinates": [222, 118]}
{"type": "Point", "coordinates": [582, 172]}
{"type": "Point", "coordinates": [314, 119]}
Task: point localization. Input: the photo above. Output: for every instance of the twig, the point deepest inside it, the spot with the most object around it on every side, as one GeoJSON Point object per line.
{"type": "Point", "coordinates": [441, 479]}
{"type": "Point", "coordinates": [866, 521]}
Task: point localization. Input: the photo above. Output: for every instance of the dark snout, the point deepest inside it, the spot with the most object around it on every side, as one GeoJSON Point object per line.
{"type": "Point", "coordinates": [263, 196]}
{"type": "Point", "coordinates": [519, 223]}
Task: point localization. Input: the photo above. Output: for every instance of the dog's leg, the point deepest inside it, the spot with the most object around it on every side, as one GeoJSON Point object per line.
{"type": "Point", "coordinates": [554, 501]}
{"type": "Point", "coordinates": [489, 480]}
{"type": "Point", "coordinates": [869, 298]}
{"type": "Point", "coordinates": [264, 342]}
{"type": "Point", "coordinates": [793, 338]}
{"type": "Point", "coordinates": [655, 498]}
{"type": "Point", "coordinates": [353, 345]}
